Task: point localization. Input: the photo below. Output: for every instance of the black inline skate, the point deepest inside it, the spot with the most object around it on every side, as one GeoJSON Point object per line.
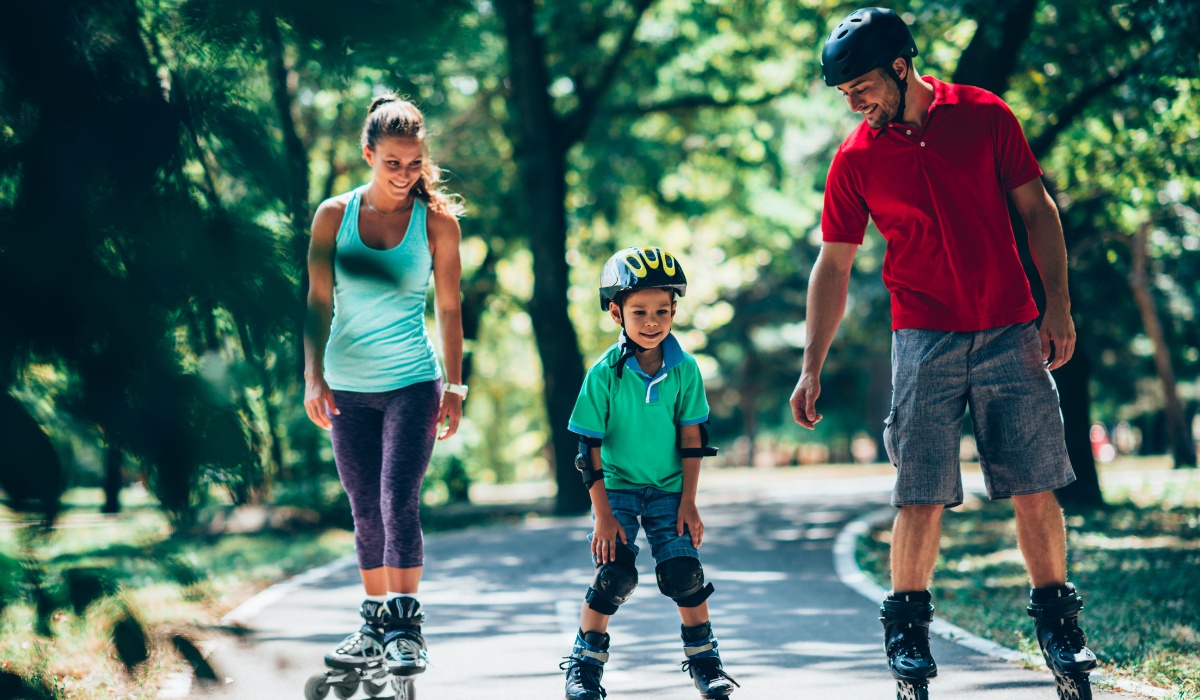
{"type": "Point", "coordinates": [405, 653]}
{"type": "Point", "coordinates": [703, 662]}
{"type": "Point", "coordinates": [358, 659]}
{"type": "Point", "coordinates": [906, 618]}
{"type": "Point", "coordinates": [1055, 610]}
{"type": "Point", "coordinates": [585, 666]}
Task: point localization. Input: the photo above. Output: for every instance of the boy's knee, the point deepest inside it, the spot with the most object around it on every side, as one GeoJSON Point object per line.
{"type": "Point", "coordinates": [682, 580]}
{"type": "Point", "coordinates": [615, 581]}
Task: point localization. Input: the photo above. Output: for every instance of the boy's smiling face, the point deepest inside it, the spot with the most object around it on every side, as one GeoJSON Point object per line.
{"type": "Point", "coordinates": [648, 315]}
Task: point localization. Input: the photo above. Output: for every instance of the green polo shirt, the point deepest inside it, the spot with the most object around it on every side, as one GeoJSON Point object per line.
{"type": "Point", "coordinates": [637, 416]}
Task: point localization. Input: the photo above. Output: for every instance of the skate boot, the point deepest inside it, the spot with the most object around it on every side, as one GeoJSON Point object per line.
{"type": "Point", "coordinates": [403, 644]}
{"type": "Point", "coordinates": [585, 666]}
{"type": "Point", "coordinates": [1055, 610]}
{"type": "Point", "coordinates": [359, 658]}
{"type": "Point", "coordinates": [906, 618]}
{"type": "Point", "coordinates": [703, 662]}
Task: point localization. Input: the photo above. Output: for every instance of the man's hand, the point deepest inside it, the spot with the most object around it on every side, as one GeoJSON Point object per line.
{"type": "Point", "coordinates": [689, 517]}
{"type": "Point", "coordinates": [1057, 327]}
{"type": "Point", "coordinates": [804, 400]}
{"type": "Point", "coordinates": [604, 538]}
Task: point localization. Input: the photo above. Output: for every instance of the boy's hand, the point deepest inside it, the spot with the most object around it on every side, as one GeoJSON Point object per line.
{"type": "Point", "coordinates": [689, 516]}
{"type": "Point", "coordinates": [605, 536]}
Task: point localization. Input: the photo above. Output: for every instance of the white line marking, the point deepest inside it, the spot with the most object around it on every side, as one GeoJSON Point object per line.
{"type": "Point", "coordinates": [275, 593]}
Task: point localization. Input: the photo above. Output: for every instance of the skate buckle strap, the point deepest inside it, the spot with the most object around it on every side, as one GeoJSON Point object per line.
{"type": "Point", "coordinates": [1066, 606]}
{"type": "Point", "coordinates": [702, 649]}
{"type": "Point", "coordinates": [588, 654]}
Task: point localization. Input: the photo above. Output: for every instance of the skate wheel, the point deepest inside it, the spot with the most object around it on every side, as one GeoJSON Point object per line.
{"type": "Point", "coordinates": [316, 688]}
{"type": "Point", "coordinates": [1073, 687]}
{"type": "Point", "coordinates": [912, 691]}
{"type": "Point", "coordinates": [374, 689]}
{"type": "Point", "coordinates": [344, 689]}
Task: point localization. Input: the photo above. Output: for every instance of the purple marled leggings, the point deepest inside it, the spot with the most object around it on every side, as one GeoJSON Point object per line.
{"type": "Point", "coordinates": [381, 444]}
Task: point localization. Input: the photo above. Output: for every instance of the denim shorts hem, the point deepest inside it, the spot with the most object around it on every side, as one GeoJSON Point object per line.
{"type": "Point", "coordinates": [945, 504]}
{"type": "Point", "coordinates": [1030, 492]}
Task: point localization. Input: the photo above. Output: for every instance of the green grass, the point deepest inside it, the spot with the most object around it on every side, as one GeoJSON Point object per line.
{"type": "Point", "coordinates": [1136, 563]}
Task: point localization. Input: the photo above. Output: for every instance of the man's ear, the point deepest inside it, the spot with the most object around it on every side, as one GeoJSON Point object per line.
{"type": "Point", "coordinates": [901, 67]}
{"type": "Point", "coordinates": [615, 312]}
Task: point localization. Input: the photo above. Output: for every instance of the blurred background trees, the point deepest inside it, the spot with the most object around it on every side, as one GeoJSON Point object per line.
{"type": "Point", "coordinates": [159, 162]}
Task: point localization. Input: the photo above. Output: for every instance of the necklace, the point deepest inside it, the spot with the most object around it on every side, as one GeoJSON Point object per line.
{"type": "Point", "coordinates": [367, 199]}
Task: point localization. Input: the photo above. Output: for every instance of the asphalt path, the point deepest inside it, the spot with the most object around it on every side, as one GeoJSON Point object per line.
{"type": "Point", "coordinates": [503, 606]}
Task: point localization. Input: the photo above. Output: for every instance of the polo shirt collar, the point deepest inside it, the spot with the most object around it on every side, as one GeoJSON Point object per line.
{"type": "Point", "coordinates": [672, 356]}
{"type": "Point", "coordinates": [943, 94]}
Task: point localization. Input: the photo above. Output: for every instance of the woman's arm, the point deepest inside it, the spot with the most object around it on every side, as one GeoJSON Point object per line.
{"type": "Point", "coordinates": [444, 239]}
{"type": "Point", "coordinates": [318, 399]}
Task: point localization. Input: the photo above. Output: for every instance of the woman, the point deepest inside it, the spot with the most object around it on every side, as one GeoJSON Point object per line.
{"type": "Point", "coordinates": [371, 372]}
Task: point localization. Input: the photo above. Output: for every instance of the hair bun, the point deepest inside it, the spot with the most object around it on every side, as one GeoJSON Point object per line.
{"type": "Point", "coordinates": [382, 100]}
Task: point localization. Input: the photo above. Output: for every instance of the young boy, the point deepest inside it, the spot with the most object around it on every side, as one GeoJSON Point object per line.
{"type": "Point", "coordinates": [639, 417]}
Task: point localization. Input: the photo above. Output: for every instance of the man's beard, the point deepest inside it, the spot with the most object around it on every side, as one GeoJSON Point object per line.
{"type": "Point", "coordinates": [889, 108]}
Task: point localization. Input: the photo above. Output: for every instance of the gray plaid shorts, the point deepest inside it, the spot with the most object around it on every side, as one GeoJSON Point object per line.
{"type": "Point", "coordinates": [1018, 426]}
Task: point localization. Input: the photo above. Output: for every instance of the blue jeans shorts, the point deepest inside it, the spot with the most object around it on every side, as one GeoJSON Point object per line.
{"type": "Point", "coordinates": [1018, 426]}
{"type": "Point", "coordinates": [658, 511]}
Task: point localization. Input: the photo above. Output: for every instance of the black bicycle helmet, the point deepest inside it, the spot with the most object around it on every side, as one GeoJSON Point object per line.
{"type": "Point", "coordinates": [870, 38]}
{"type": "Point", "coordinates": [640, 268]}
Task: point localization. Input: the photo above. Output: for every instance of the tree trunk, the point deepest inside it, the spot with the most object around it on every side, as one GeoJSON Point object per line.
{"type": "Point", "coordinates": [113, 478]}
{"type": "Point", "coordinates": [988, 62]}
{"type": "Point", "coordinates": [296, 157]}
{"type": "Point", "coordinates": [541, 159]}
{"type": "Point", "coordinates": [1178, 434]}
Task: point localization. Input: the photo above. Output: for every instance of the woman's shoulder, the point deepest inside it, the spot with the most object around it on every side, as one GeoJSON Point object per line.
{"type": "Point", "coordinates": [441, 224]}
{"type": "Point", "coordinates": [336, 205]}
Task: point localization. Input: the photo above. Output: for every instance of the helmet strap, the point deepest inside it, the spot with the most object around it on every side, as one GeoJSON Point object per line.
{"type": "Point", "coordinates": [630, 348]}
{"type": "Point", "coordinates": [903, 86]}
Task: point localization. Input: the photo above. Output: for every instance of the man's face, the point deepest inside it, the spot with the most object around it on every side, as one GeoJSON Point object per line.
{"type": "Point", "coordinates": [875, 95]}
{"type": "Point", "coordinates": [648, 316]}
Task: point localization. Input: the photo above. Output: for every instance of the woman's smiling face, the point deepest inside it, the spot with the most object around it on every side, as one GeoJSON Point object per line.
{"type": "Point", "coordinates": [397, 164]}
{"type": "Point", "coordinates": [648, 315]}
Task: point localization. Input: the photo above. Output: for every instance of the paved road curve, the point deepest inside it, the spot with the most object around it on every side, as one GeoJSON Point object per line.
{"type": "Point", "coordinates": [503, 606]}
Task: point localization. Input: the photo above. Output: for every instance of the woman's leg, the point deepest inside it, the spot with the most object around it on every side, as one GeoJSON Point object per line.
{"type": "Point", "coordinates": [408, 436]}
{"type": "Point", "coordinates": [358, 453]}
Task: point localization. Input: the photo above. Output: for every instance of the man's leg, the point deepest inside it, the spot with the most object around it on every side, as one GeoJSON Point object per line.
{"type": "Point", "coordinates": [915, 537]}
{"type": "Point", "coordinates": [1042, 536]}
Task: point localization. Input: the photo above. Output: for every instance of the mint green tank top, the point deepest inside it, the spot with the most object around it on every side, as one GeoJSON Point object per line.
{"type": "Point", "coordinates": [378, 340]}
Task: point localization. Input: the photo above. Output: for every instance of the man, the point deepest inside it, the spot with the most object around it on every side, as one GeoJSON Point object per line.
{"type": "Point", "coordinates": [932, 164]}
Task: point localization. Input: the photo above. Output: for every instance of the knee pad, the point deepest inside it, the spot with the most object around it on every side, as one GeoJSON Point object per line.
{"type": "Point", "coordinates": [615, 581]}
{"type": "Point", "coordinates": [682, 580]}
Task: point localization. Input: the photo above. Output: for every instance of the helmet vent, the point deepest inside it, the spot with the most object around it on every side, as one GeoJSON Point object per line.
{"type": "Point", "coordinates": [856, 19]}
{"type": "Point", "coordinates": [850, 69]}
{"type": "Point", "coordinates": [841, 56]}
{"type": "Point", "coordinates": [844, 33]}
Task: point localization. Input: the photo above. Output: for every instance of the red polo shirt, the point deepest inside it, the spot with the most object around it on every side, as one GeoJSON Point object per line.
{"type": "Point", "coordinates": [938, 195]}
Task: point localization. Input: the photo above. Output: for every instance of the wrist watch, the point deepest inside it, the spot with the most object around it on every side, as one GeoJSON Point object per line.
{"type": "Point", "coordinates": [460, 389]}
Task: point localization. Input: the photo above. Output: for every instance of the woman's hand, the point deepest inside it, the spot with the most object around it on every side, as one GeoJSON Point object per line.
{"type": "Point", "coordinates": [318, 402]}
{"type": "Point", "coordinates": [605, 536]}
{"type": "Point", "coordinates": [451, 408]}
{"type": "Point", "coordinates": [689, 517]}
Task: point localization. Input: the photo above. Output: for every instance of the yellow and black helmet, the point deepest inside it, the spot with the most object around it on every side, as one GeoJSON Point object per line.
{"type": "Point", "coordinates": [640, 268]}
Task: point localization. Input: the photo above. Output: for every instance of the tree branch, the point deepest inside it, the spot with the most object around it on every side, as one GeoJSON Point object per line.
{"type": "Point", "coordinates": [693, 102]}
{"type": "Point", "coordinates": [1068, 112]}
{"type": "Point", "coordinates": [577, 122]}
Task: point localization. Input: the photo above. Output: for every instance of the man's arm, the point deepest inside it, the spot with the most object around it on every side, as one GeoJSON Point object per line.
{"type": "Point", "coordinates": [826, 305]}
{"type": "Point", "coordinates": [1050, 255]}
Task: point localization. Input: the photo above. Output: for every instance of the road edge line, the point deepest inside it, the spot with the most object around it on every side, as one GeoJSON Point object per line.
{"type": "Point", "coordinates": [274, 593]}
{"type": "Point", "coordinates": [848, 572]}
